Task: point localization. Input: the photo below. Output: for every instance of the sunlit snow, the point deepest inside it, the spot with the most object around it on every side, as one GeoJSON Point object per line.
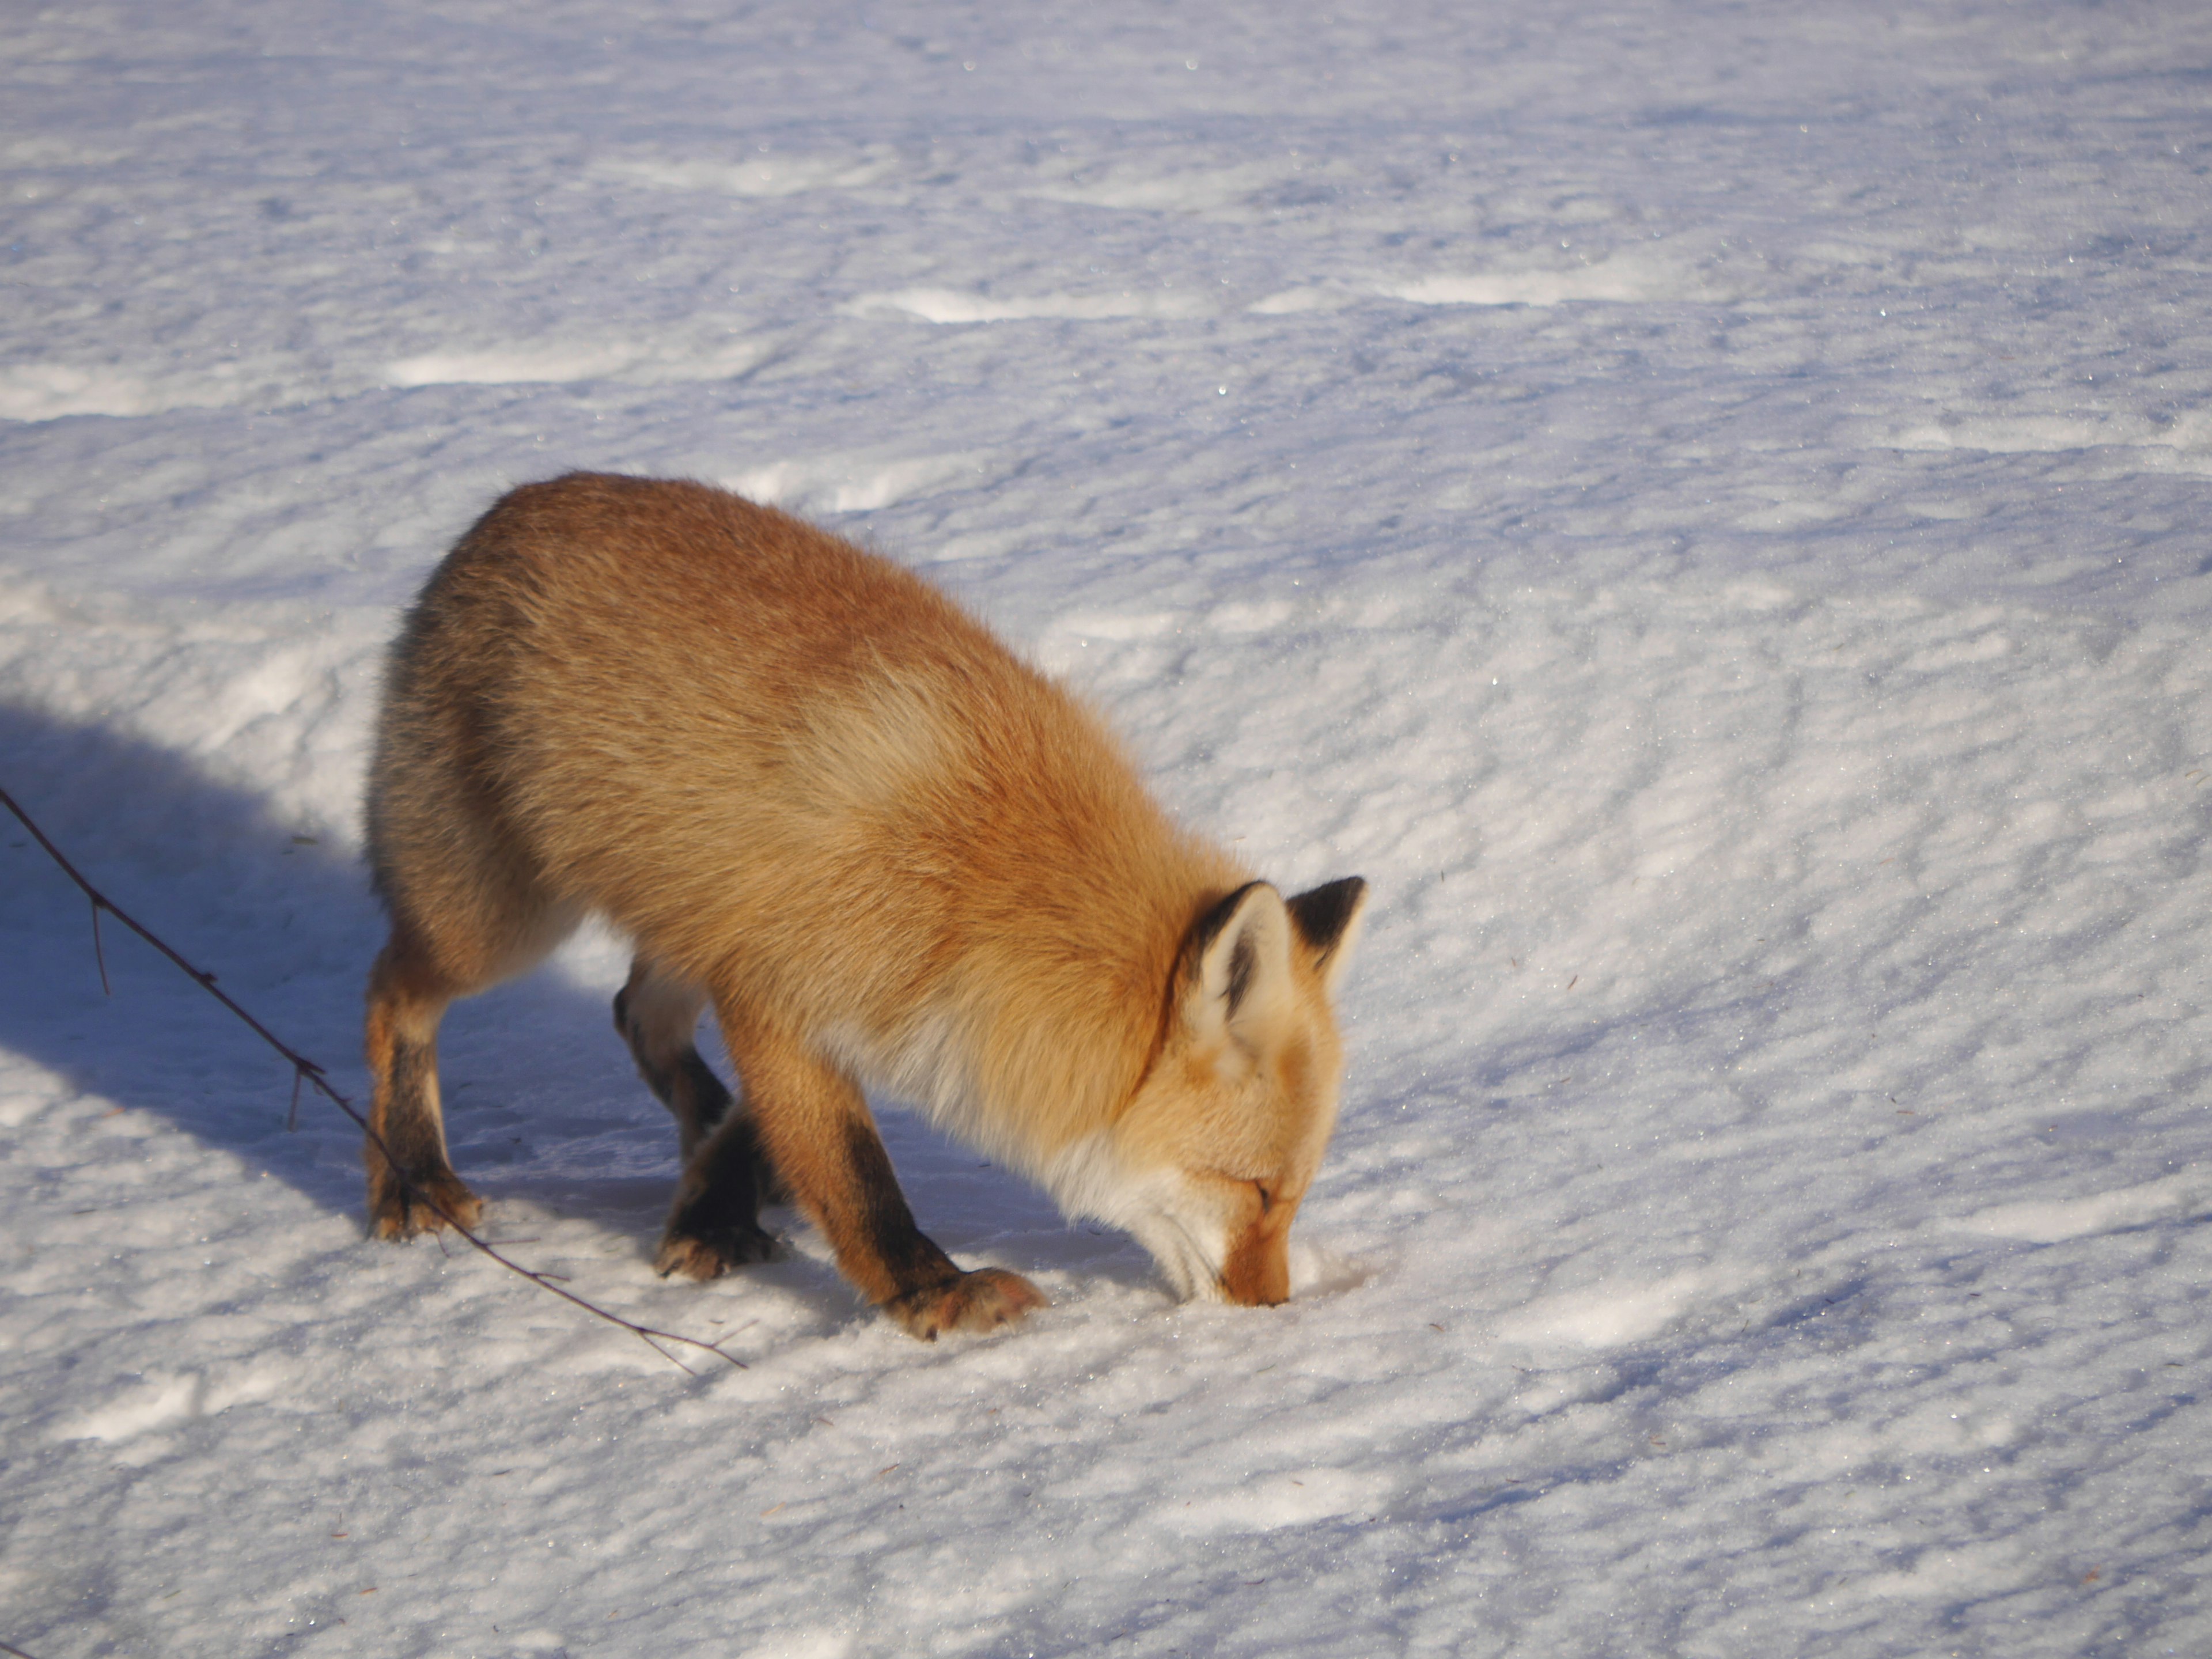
{"type": "Point", "coordinates": [1703, 506]}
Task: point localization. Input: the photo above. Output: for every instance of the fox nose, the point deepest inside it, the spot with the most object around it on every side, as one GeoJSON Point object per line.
{"type": "Point", "coordinates": [1270, 1291]}
{"type": "Point", "coordinates": [1257, 1271]}
{"type": "Point", "coordinates": [1255, 1299]}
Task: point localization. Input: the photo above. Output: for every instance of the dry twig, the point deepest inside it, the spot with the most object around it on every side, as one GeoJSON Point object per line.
{"type": "Point", "coordinates": [307, 1070]}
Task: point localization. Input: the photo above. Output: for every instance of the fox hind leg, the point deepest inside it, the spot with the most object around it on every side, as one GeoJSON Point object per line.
{"type": "Point", "coordinates": [490, 924]}
{"type": "Point", "coordinates": [727, 1176]}
{"type": "Point", "coordinates": [412, 1188]}
{"type": "Point", "coordinates": [715, 1224]}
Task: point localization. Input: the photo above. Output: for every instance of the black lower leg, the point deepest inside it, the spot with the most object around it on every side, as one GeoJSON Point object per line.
{"type": "Point", "coordinates": [411, 1185]}
{"type": "Point", "coordinates": [718, 1205]}
{"type": "Point", "coordinates": [413, 1137]}
{"type": "Point", "coordinates": [696, 1092]}
{"type": "Point", "coordinates": [908, 1257]}
{"type": "Point", "coordinates": [685, 1085]}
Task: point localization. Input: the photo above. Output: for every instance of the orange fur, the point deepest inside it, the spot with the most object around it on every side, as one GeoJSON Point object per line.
{"type": "Point", "coordinates": [821, 796]}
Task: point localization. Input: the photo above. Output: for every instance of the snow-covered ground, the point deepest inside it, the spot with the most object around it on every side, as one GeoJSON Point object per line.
{"type": "Point", "coordinates": [1702, 504]}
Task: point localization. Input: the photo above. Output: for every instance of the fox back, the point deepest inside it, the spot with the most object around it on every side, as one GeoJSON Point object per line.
{"type": "Point", "coordinates": [818, 795]}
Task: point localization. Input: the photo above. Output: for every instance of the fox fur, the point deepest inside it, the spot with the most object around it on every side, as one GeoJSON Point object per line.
{"type": "Point", "coordinates": [824, 801]}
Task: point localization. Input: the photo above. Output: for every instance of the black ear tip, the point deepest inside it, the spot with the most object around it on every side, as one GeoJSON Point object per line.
{"type": "Point", "coordinates": [1323, 913]}
{"type": "Point", "coordinates": [1209, 925]}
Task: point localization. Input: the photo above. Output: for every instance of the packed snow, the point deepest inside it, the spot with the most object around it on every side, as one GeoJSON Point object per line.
{"type": "Point", "coordinates": [1701, 505]}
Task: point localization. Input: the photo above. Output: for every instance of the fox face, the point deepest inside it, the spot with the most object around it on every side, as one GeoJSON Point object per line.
{"type": "Point", "coordinates": [1209, 1163]}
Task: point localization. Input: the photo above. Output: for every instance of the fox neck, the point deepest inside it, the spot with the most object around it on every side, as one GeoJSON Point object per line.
{"type": "Point", "coordinates": [1031, 1055]}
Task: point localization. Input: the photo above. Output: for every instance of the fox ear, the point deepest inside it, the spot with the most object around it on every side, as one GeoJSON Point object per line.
{"type": "Point", "coordinates": [1239, 981]}
{"type": "Point", "coordinates": [1328, 919]}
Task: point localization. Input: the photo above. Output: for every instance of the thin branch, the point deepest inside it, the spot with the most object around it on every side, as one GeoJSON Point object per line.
{"type": "Point", "coordinates": [99, 954]}
{"type": "Point", "coordinates": [307, 1070]}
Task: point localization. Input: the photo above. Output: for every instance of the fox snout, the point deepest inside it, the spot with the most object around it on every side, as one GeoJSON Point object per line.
{"type": "Point", "coordinates": [1257, 1274]}
{"type": "Point", "coordinates": [1216, 1152]}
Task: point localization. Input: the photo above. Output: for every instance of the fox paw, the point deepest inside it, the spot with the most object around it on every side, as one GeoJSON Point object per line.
{"type": "Point", "coordinates": [426, 1204]}
{"type": "Point", "coordinates": [709, 1255]}
{"type": "Point", "coordinates": [981, 1301]}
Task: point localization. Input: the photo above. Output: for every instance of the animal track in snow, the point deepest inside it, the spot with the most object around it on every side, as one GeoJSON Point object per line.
{"type": "Point", "coordinates": [849, 484]}
{"type": "Point", "coordinates": [2134, 441]}
{"type": "Point", "coordinates": [1276, 1500]}
{"type": "Point", "coordinates": [47, 392]}
{"type": "Point", "coordinates": [160, 1400]}
{"type": "Point", "coordinates": [1624, 277]}
{"type": "Point", "coordinates": [2051, 1221]}
{"type": "Point", "coordinates": [768, 174]}
{"type": "Point", "coordinates": [1616, 281]}
{"type": "Point", "coordinates": [521, 365]}
{"type": "Point", "coordinates": [1206, 192]}
{"type": "Point", "coordinates": [1609, 1315]}
{"type": "Point", "coordinates": [945, 304]}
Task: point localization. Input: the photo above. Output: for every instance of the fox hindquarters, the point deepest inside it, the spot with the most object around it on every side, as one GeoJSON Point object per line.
{"type": "Point", "coordinates": [822, 798]}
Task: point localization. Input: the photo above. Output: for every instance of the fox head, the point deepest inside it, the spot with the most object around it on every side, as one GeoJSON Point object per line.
{"type": "Point", "coordinates": [1209, 1161]}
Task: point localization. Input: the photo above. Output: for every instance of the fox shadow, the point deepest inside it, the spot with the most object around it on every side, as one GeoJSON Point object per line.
{"type": "Point", "coordinates": [546, 1115]}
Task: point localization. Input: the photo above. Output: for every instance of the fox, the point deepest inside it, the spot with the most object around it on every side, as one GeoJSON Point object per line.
{"type": "Point", "coordinates": [819, 796]}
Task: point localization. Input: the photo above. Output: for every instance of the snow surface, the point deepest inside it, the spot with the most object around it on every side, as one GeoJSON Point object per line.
{"type": "Point", "coordinates": [1701, 503]}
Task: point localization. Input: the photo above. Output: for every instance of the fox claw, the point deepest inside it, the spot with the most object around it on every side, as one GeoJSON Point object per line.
{"type": "Point", "coordinates": [978, 1301]}
{"type": "Point", "coordinates": [705, 1258]}
{"type": "Point", "coordinates": [427, 1204]}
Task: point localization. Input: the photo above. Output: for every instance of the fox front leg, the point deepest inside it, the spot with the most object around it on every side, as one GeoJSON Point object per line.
{"type": "Point", "coordinates": [818, 1135]}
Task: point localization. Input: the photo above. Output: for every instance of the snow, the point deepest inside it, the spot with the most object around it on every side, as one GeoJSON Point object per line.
{"type": "Point", "coordinates": [1700, 504]}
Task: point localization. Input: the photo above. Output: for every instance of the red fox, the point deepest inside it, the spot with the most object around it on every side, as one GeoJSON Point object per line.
{"type": "Point", "coordinates": [819, 796]}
